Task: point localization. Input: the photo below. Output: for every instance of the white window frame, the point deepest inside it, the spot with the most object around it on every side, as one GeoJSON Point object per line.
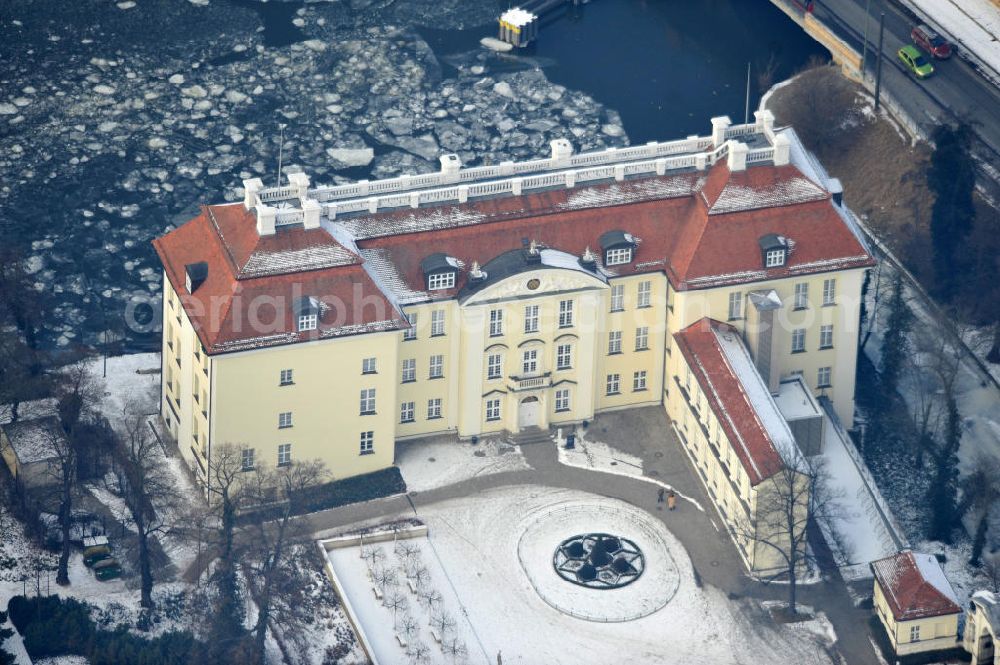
{"type": "Point", "coordinates": [433, 408]}
{"type": "Point", "coordinates": [614, 384]}
{"type": "Point", "coordinates": [915, 633]}
{"type": "Point", "coordinates": [639, 380]}
{"type": "Point", "coordinates": [409, 373]}
{"type": "Point", "coordinates": [830, 291]}
{"type": "Point", "coordinates": [439, 281]}
{"type": "Point", "coordinates": [247, 459]}
{"type": "Point", "coordinates": [614, 342]}
{"type": "Point", "coordinates": [308, 322]}
{"type": "Point", "coordinates": [774, 258]}
{"type": "Point", "coordinates": [735, 306]}
{"type": "Point", "coordinates": [617, 297]}
{"type": "Point", "coordinates": [531, 318]}
{"type": "Point", "coordinates": [367, 443]}
{"type": "Point", "coordinates": [435, 369]}
{"type": "Point", "coordinates": [642, 338]}
{"type": "Point", "coordinates": [798, 340]}
{"type": "Point", "coordinates": [801, 295]}
{"type": "Point", "coordinates": [367, 401]}
{"type": "Point", "coordinates": [618, 256]}
{"type": "Point", "coordinates": [284, 454]}
{"type": "Point", "coordinates": [826, 336]}
{"type": "Point", "coordinates": [564, 356]}
{"type": "Point", "coordinates": [494, 366]}
{"type": "Point", "coordinates": [565, 313]}
{"type": "Point", "coordinates": [286, 378]}
{"type": "Point", "coordinates": [492, 409]}
{"type": "Point", "coordinates": [496, 323]}
{"type": "Point", "coordinates": [369, 366]}
{"type": "Point", "coordinates": [406, 412]}
{"type": "Point", "coordinates": [643, 293]}
{"type": "Point", "coordinates": [824, 376]}
{"type": "Point", "coordinates": [562, 400]}
{"type": "Point", "coordinates": [284, 420]}
{"type": "Point", "coordinates": [411, 332]}
{"type": "Point", "coordinates": [529, 362]}
{"type": "Point", "coordinates": [437, 323]}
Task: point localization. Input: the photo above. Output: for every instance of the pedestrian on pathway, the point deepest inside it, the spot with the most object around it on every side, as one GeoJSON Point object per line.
{"type": "Point", "coordinates": [659, 496]}
{"type": "Point", "coordinates": [671, 500]}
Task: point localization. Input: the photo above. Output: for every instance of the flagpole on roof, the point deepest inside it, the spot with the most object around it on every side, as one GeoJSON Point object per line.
{"type": "Point", "coordinates": [281, 147]}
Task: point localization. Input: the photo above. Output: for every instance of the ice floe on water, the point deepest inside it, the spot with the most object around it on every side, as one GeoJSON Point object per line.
{"type": "Point", "coordinates": [108, 140]}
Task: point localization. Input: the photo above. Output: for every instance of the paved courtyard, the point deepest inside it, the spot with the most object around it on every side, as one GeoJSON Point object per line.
{"type": "Point", "coordinates": [645, 434]}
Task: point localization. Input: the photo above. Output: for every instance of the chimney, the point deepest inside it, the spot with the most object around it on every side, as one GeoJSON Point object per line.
{"type": "Point", "coordinates": [737, 158]}
{"type": "Point", "coordinates": [310, 213]}
{"type": "Point", "coordinates": [719, 126]}
{"type": "Point", "coordinates": [250, 189]}
{"type": "Point", "coordinates": [451, 164]}
{"type": "Point", "coordinates": [562, 150]}
{"type": "Point", "coordinates": [195, 275]}
{"type": "Point", "coordinates": [300, 182]}
{"type": "Point", "coordinates": [265, 219]}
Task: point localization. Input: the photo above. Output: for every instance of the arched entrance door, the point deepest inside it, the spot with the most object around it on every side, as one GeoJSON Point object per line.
{"type": "Point", "coordinates": [528, 413]}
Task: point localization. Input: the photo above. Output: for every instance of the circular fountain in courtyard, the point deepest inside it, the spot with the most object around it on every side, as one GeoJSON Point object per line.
{"type": "Point", "coordinates": [599, 564]}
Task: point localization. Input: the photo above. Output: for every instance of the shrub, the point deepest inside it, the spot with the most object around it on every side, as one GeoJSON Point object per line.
{"type": "Point", "coordinates": [337, 493]}
{"type": "Point", "coordinates": [54, 627]}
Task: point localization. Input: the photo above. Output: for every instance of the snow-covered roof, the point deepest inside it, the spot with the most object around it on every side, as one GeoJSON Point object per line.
{"type": "Point", "coordinates": [34, 440]}
{"type": "Point", "coordinates": [759, 396]}
{"type": "Point", "coordinates": [795, 400]}
{"type": "Point", "coordinates": [915, 586]}
{"type": "Point", "coordinates": [990, 604]}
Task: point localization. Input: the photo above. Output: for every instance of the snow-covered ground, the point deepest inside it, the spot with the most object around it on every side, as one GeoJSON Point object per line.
{"type": "Point", "coordinates": [473, 544]}
{"type": "Point", "coordinates": [430, 463]}
{"type": "Point", "coordinates": [862, 518]}
{"type": "Point", "coordinates": [599, 456]}
{"type": "Point", "coordinates": [974, 24]}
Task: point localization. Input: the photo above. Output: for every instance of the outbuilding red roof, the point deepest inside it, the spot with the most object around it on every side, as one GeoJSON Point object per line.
{"type": "Point", "coordinates": [915, 586]}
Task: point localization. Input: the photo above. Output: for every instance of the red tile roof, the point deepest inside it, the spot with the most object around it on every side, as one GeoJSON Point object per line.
{"type": "Point", "coordinates": [728, 398]}
{"type": "Point", "coordinates": [697, 248]}
{"type": "Point", "coordinates": [915, 586]}
{"type": "Point", "coordinates": [700, 229]}
{"type": "Point", "coordinates": [234, 310]}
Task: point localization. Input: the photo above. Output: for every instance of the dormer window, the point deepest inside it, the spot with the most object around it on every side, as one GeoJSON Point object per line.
{"type": "Point", "coordinates": [195, 275]}
{"type": "Point", "coordinates": [774, 250]}
{"type": "Point", "coordinates": [306, 311]}
{"type": "Point", "coordinates": [440, 280]}
{"type": "Point", "coordinates": [617, 257]}
{"type": "Point", "coordinates": [440, 271]}
{"type": "Point", "coordinates": [308, 322]}
{"type": "Point", "coordinates": [618, 247]}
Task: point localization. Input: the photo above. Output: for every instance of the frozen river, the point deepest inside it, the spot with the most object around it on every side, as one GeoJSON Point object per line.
{"type": "Point", "coordinates": [118, 119]}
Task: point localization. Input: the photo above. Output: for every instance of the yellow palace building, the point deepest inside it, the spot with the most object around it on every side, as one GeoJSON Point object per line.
{"type": "Point", "coordinates": [332, 321]}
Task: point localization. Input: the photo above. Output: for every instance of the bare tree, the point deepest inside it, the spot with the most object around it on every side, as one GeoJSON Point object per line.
{"type": "Point", "coordinates": [991, 566]}
{"type": "Point", "coordinates": [787, 502]}
{"type": "Point", "coordinates": [148, 489]}
{"type": "Point", "coordinates": [270, 532]}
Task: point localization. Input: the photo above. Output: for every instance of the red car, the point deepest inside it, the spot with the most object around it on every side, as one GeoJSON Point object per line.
{"type": "Point", "coordinates": [931, 42]}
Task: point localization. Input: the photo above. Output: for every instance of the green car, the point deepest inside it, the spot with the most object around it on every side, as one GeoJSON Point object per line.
{"type": "Point", "coordinates": [915, 61]}
{"type": "Point", "coordinates": [92, 555]}
{"type": "Point", "coordinates": [107, 569]}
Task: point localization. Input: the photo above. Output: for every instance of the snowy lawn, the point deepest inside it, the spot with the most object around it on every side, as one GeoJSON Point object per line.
{"type": "Point", "coordinates": [472, 552]}
{"type": "Point", "coordinates": [430, 463]}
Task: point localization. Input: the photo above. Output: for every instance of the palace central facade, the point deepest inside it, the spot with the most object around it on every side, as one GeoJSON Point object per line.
{"type": "Point", "coordinates": [330, 322]}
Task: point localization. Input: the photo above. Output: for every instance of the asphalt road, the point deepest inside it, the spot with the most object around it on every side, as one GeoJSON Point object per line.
{"type": "Point", "coordinates": [955, 91]}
